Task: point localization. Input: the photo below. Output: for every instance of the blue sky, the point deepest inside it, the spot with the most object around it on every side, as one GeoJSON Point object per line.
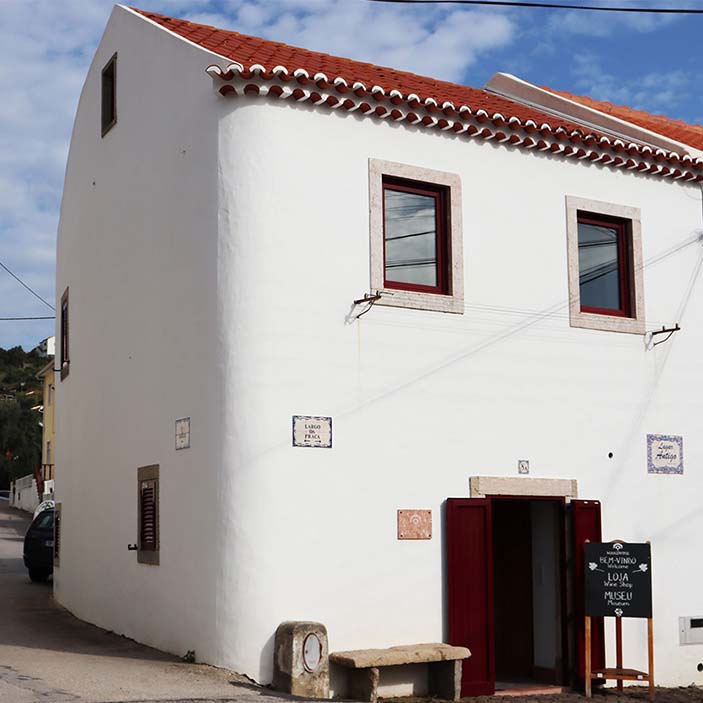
{"type": "Point", "coordinates": [648, 62]}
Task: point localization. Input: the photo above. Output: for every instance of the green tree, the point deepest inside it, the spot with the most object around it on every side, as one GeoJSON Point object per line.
{"type": "Point", "coordinates": [20, 428]}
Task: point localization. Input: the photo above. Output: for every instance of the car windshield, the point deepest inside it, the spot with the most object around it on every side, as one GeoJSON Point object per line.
{"type": "Point", "coordinates": [44, 520]}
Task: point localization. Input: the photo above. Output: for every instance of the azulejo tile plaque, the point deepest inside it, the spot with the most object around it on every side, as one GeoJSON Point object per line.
{"type": "Point", "coordinates": [312, 431]}
{"type": "Point", "coordinates": [664, 454]}
{"type": "Point", "coordinates": [183, 433]}
{"type": "Point", "coordinates": [414, 524]}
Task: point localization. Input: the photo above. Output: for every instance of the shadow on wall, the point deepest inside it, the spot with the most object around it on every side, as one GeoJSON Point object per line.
{"type": "Point", "coordinates": [266, 660]}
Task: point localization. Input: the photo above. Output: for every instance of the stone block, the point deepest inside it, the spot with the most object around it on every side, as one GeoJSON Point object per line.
{"type": "Point", "coordinates": [294, 670]}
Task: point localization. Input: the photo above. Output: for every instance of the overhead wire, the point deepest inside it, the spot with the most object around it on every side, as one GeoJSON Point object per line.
{"type": "Point", "coordinates": [22, 283]}
{"type": "Point", "coordinates": [551, 6]}
{"type": "Point", "coordinates": [36, 317]}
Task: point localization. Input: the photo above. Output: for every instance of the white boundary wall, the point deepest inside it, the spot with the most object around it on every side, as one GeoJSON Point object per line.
{"type": "Point", "coordinates": [23, 493]}
{"type": "Point", "coordinates": [214, 246]}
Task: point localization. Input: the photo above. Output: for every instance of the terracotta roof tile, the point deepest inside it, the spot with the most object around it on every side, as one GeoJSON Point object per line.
{"type": "Point", "coordinates": [528, 127]}
{"type": "Point", "coordinates": [678, 130]}
{"type": "Point", "coordinates": [249, 50]}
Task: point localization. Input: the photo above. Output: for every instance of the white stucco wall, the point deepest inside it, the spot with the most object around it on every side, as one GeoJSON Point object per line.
{"type": "Point", "coordinates": [23, 493]}
{"type": "Point", "coordinates": [213, 248]}
{"type": "Point", "coordinates": [423, 400]}
{"type": "Point", "coordinates": [137, 249]}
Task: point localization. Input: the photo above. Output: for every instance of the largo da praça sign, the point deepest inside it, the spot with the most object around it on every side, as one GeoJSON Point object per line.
{"type": "Point", "coordinates": [618, 580]}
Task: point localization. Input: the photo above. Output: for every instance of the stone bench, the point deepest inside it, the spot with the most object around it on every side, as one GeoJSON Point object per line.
{"type": "Point", "coordinates": [444, 668]}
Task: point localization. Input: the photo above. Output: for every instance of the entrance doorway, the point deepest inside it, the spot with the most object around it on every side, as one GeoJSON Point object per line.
{"type": "Point", "coordinates": [514, 582]}
{"type": "Point", "coordinates": [528, 603]}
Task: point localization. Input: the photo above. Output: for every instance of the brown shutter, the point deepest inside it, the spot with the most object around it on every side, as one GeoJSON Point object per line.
{"type": "Point", "coordinates": [64, 350]}
{"type": "Point", "coordinates": [57, 533]}
{"type": "Point", "coordinates": [149, 536]}
{"type": "Point", "coordinates": [470, 590]}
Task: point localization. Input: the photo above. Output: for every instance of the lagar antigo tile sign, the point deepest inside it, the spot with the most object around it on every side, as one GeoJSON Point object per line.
{"type": "Point", "coordinates": [509, 250]}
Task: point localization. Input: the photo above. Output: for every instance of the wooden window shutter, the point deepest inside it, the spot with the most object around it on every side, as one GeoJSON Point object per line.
{"type": "Point", "coordinates": [57, 533]}
{"type": "Point", "coordinates": [64, 349]}
{"type": "Point", "coordinates": [148, 514]}
{"type": "Point", "coordinates": [148, 510]}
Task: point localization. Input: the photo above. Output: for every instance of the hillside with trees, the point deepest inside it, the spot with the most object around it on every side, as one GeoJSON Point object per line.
{"type": "Point", "coordinates": [20, 424]}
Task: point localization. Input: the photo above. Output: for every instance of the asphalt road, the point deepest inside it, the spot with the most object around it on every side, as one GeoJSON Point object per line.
{"type": "Point", "coordinates": [49, 656]}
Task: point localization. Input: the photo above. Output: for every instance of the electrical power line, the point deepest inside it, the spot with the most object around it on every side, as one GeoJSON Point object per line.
{"type": "Point", "coordinates": [41, 317]}
{"type": "Point", "coordinates": [21, 282]}
{"type": "Point", "coordinates": [551, 6]}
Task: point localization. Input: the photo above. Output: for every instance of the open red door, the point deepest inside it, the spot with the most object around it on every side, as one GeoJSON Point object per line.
{"type": "Point", "coordinates": [585, 526]}
{"type": "Point", "coordinates": [470, 590]}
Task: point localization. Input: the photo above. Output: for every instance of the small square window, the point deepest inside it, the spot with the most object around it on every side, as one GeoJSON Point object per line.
{"type": "Point", "coordinates": [416, 237]}
{"type": "Point", "coordinates": [605, 266]}
{"type": "Point", "coordinates": [109, 93]}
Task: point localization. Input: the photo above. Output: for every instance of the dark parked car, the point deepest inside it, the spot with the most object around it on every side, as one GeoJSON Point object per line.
{"type": "Point", "coordinates": [39, 546]}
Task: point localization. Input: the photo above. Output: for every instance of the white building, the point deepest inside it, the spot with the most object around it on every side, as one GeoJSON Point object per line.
{"type": "Point", "coordinates": [215, 231]}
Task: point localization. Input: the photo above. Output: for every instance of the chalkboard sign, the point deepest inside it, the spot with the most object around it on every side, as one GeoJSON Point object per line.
{"type": "Point", "coordinates": [618, 579]}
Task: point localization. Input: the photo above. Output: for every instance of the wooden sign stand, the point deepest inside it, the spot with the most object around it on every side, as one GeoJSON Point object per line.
{"type": "Point", "coordinates": [620, 674]}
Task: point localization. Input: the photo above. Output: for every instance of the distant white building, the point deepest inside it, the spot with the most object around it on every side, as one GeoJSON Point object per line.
{"type": "Point", "coordinates": [216, 231]}
{"type": "Point", "coordinates": [47, 346]}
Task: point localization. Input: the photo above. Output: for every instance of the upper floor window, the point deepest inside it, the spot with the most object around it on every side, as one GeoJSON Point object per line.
{"type": "Point", "coordinates": [108, 92]}
{"type": "Point", "coordinates": [605, 266]}
{"type": "Point", "coordinates": [416, 237]}
{"type": "Point", "coordinates": [64, 356]}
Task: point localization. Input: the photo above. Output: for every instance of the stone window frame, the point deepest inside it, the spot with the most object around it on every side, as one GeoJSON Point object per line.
{"type": "Point", "coordinates": [592, 321]}
{"type": "Point", "coordinates": [453, 302]}
{"type": "Point", "coordinates": [148, 556]}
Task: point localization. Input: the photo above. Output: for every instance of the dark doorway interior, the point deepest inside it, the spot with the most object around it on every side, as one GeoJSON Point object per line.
{"type": "Point", "coordinates": [527, 591]}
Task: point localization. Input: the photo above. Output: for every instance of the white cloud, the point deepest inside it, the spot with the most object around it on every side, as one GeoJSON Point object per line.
{"type": "Point", "coordinates": [656, 91]}
{"type": "Point", "coordinates": [606, 24]}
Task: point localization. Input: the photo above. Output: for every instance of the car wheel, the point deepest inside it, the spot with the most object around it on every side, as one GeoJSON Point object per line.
{"type": "Point", "coordinates": [39, 575]}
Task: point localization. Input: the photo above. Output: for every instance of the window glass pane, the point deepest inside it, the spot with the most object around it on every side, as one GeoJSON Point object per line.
{"type": "Point", "coordinates": [411, 237]}
{"type": "Point", "coordinates": [599, 272]}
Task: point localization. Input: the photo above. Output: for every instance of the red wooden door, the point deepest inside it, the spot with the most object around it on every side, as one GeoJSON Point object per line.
{"type": "Point", "coordinates": [585, 526]}
{"type": "Point", "coordinates": [470, 590]}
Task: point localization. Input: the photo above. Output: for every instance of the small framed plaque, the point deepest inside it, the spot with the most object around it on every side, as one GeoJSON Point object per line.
{"type": "Point", "coordinates": [414, 524]}
{"type": "Point", "coordinates": [312, 431]}
{"type": "Point", "coordinates": [664, 454]}
{"type": "Point", "coordinates": [183, 433]}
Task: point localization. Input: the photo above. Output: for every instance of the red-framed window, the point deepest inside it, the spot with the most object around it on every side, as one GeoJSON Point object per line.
{"type": "Point", "coordinates": [605, 265]}
{"type": "Point", "coordinates": [416, 236]}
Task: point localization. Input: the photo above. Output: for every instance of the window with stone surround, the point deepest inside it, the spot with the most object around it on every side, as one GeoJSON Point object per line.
{"type": "Point", "coordinates": [416, 237]}
{"type": "Point", "coordinates": [605, 266]}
